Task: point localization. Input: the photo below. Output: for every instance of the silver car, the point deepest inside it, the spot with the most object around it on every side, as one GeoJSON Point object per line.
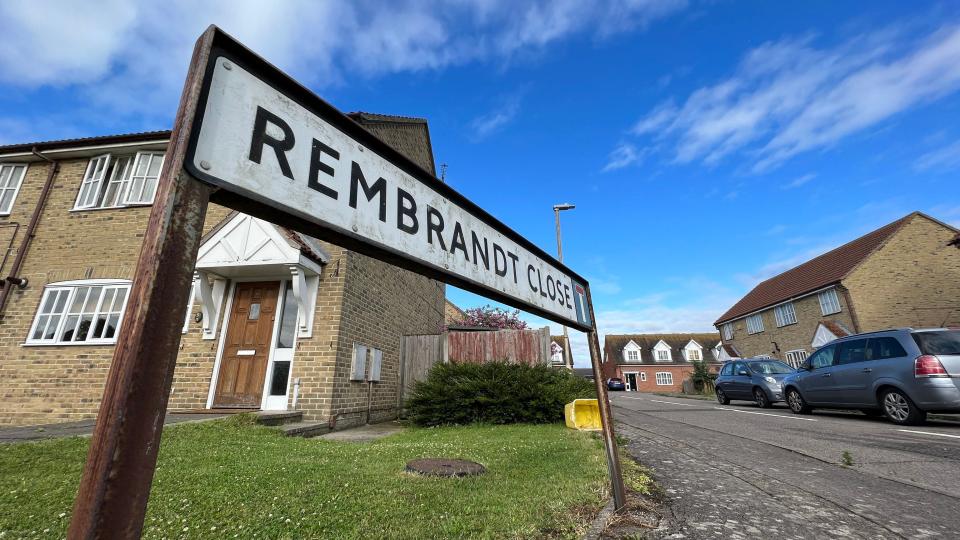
{"type": "Point", "coordinates": [903, 373]}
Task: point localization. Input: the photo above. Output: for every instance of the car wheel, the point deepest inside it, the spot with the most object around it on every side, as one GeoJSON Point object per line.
{"type": "Point", "coordinates": [900, 409]}
{"type": "Point", "coordinates": [760, 397]}
{"type": "Point", "coordinates": [722, 397]}
{"type": "Point", "coordinates": [796, 402]}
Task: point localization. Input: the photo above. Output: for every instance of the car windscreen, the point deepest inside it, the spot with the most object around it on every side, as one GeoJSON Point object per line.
{"type": "Point", "coordinates": [939, 342]}
{"type": "Point", "coordinates": [770, 367]}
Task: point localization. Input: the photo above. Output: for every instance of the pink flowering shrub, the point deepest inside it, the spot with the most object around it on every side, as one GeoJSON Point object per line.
{"type": "Point", "coordinates": [492, 317]}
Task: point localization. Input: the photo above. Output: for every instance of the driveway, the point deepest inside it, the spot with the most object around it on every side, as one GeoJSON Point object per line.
{"type": "Point", "coordinates": [737, 471]}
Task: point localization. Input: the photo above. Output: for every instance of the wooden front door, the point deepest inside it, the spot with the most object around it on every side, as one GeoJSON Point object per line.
{"type": "Point", "coordinates": [246, 349]}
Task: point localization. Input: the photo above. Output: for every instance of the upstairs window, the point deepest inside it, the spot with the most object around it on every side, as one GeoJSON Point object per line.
{"type": "Point", "coordinates": [829, 303]}
{"type": "Point", "coordinates": [11, 176]}
{"type": "Point", "coordinates": [755, 324]}
{"type": "Point", "coordinates": [785, 314]}
{"type": "Point", "coordinates": [663, 356]}
{"type": "Point", "coordinates": [87, 312]}
{"type": "Point", "coordinates": [633, 355]}
{"type": "Point", "coordinates": [118, 181]}
{"type": "Point", "coordinates": [728, 331]}
{"type": "Point", "coordinates": [693, 355]}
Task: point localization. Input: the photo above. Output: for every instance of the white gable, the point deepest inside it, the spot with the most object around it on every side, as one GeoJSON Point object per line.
{"type": "Point", "coordinates": [631, 346]}
{"type": "Point", "coordinates": [662, 346]}
{"type": "Point", "coordinates": [822, 336]}
{"type": "Point", "coordinates": [692, 345]}
{"type": "Point", "coordinates": [247, 240]}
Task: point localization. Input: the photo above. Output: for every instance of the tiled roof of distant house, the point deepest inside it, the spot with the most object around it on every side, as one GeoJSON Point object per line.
{"type": "Point", "coordinates": [613, 346]}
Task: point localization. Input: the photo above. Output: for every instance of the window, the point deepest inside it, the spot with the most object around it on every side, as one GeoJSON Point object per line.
{"type": "Point", "coordinates": [117, 181]}
{"type": "Point", "coordinates": [727, 369]}
{"type": "Point", "coordinates": [785, 314]}
{"type": "Point", "coordinates": [693, 355]}
{"type": "Point", "coordinates": [851, 352]}
{"type": "Point", "coordinates": [633, 355]}
{"type": "Point", "coordinates": [728, 331]}
{"type": "Point", "coordinates": [795, 358]}
{"type": "Point", "coordinates": [663, 356]}
{"type": "Point", "coordinates": [11, 176]}
{"type": "Point", "coordinates": [882, 348]}
{"type": "Point", "coordinates": [755, 324]}
{"type": "Point", "coordinates": [829, 303]}
{"type": "Point", "coordinates": [664, 378]}
{"type": "Point", "coordinates": [823, 358]}
{"type": "Point", "coordinates": [643, 376]}
{"type": "Point", "coordinates": [87, 312]}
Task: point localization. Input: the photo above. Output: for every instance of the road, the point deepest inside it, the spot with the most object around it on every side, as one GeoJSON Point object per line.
{"type": "Point", "coordinates": [736, 471]}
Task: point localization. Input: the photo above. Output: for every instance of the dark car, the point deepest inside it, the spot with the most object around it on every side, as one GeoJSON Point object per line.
{"type": "Point", "coordinates": [902, 373]}
{"type": "Point", "coordinates": [754, 379]}
{"type": "Point", "coordinates": [616, 384]}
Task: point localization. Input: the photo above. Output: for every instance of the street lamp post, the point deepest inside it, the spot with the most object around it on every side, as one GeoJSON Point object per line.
{"type": "Point", "coordinates": [567, 353]}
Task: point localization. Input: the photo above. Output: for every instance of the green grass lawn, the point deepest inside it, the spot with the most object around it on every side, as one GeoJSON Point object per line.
{"type": "Point", "coordinates": [228, 479]}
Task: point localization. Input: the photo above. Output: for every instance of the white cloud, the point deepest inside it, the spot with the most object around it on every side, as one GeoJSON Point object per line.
{"type": "Point", "coordinates": [942, 159]}
{"type": "Point", "coordinates": [623, 155]}
{"type": "Point", "coordinates": [799, 181]}
{"type": "Point", "coordinates": [130, 58]}
{"type": "Point", "coordinates": [790, 97]}
{"type": "Point", "coordinates": [490, 123]}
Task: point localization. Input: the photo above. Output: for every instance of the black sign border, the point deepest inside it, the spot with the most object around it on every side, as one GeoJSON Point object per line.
{"type": "Point", "coordinates": [256, 205]}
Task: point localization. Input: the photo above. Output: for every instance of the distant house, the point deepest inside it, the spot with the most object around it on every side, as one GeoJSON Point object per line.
{"type": "Point", "coordinates": [658, 362]}
{"type": "Point", "coordinates": [904, 274]}
{"type": "Point", "coordinates": [452, 314]}
{"type": "Point", "coordinates": [560, 353]}
{"type": "Point", "coordinates": [586, 373]}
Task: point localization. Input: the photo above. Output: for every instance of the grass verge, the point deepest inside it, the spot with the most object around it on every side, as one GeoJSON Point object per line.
{"type": "Point", "coordinates": [229, 479]}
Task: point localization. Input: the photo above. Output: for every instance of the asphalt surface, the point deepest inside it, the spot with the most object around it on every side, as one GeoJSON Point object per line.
{"type": "Point", "coordinates": [736, 471]}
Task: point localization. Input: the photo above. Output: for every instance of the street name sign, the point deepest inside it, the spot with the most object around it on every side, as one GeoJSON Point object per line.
{"type": "Point", "coordinates": [262, 136]}
{"type": "Point", "coordinates": [251, 138]}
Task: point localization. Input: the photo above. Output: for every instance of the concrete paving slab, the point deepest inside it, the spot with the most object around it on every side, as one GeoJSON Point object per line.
{"type": "Point", "coordinates": [367, 433]}
{"type": "Point", "coordinates": [17, 434]}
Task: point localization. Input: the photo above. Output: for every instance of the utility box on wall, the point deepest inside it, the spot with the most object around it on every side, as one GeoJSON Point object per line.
{"type": "Point", "coordinates": [359, 365]}
{"type": "Point", "coordinates": [376, 360]}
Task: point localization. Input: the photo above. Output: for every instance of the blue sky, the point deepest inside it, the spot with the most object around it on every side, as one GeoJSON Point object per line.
{"type": "Point", "coordinates": [707, 144]}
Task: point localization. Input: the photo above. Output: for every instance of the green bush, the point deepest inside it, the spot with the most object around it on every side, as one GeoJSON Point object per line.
{"type": "Point", "coordinates": [494, 393]}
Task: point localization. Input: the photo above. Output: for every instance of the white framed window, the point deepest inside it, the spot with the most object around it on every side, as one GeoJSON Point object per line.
{"type": "Point", "coordinates": [829, 303]}
{"type": "Point", "coordinates": [728, 331]}
{"type": "Point", "coordinates": [11, 177]}
{"type": "Point", "coordinates": [785, 314]}
{"type": "Point", "coordinates": [693, 355]}
{"type": "Point", "coordinates": [755, 324]}
{"type": "Point", "coordinates": [663, 356]}
{"type": "Point", "coordinates": [81, 312]}
{"type": "Point", "coordinates": [118, 181]}
{"type": "Point", "coordinates": [643, 376]}
{"type": "Point", "coordinates": [795, 358]}
{"type": "Point", "coordinates": [664, 378]}
{"type": "Point", "coordinates": [633, 355]}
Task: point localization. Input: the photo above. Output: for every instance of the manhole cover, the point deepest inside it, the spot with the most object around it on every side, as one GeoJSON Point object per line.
{"type": "Point", "coordinates": [445, 467]}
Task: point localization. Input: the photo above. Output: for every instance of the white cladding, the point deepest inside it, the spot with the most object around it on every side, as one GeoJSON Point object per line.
{"type": "Point", "coordinates": [224, 151]}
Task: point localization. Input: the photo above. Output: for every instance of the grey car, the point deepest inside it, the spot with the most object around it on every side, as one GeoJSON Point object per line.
{"type": "Point", "coordinates": [902, 373]}
{"type": "Point", "coordinates": [754, 379]}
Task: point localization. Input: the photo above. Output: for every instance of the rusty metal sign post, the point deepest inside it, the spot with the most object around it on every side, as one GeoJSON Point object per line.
{"type": "Point", "coordinates": [249, 137]}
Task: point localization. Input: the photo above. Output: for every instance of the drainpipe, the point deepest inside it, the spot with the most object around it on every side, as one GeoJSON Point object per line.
{"type": "Point", "coordinates": [853, 312]}
{"type": "Point", "coordinates": [6, 254]}
{"type": "Point", "coordinates": [13, 278]}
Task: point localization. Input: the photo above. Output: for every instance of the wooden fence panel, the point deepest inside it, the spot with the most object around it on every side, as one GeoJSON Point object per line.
{"type": "Point", "coordinates": [530, 347]}
{"type": "Point", "coordinates": [417, 355]}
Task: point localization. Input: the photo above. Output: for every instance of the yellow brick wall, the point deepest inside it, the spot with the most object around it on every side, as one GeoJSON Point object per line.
{"type": "Point", "coordinates": [790, 337]}
{"type": "Point", "coordinates": [912, 280]}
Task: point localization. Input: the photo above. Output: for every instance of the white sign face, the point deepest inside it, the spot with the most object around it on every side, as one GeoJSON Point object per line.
{"type": "Point", "coordinates": [261, 143]}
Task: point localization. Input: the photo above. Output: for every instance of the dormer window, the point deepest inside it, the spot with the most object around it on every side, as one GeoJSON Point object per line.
{"type": "Point", "coordinates": [693, 355]}
{"type": "Point", "coordinates": [117, 181]}
{"type": "Point", "coordinates": [633, 355]}
{"type": "Point", "coordinates": [663, 356]}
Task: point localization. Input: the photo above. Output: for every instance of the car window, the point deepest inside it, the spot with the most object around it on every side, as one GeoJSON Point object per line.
{"type": "Point", "coordinates": [851, 352]}
{"type": "Point", "coordinates": [940, 342]}
{"type": "Point", "coordinates": [823, 357]}
{"type": "Point", "coordinates": [770, 367]}
{"type": "Point", "coordinates": [727, 369]}
{"type": "Point", "coordinates": [738, 367]}
{"type": "Point", "coordinates": [880, 348]}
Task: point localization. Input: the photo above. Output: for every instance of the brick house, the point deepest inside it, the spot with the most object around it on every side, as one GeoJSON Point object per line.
{"type": "Point", "coordinates": [904, 274]}
{"type": "Point", "coordinates": [658, 362]}
{"type": "Point", "coordinates": [279, 320]}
